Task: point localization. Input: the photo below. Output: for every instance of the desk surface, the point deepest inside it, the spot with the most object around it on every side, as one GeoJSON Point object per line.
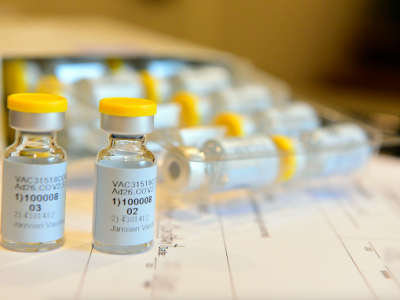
{"type": "Point", "coordinates": [327, 241]}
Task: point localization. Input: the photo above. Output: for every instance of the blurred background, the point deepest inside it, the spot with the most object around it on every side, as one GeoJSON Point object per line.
{"type": "Point", "coordinates": [345, 53]}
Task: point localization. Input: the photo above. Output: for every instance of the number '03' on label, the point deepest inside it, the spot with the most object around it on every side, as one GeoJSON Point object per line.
{"type": "Point", "coordinates": [124, 205]}
{"type": "Point", "coordinates": [33, 202]}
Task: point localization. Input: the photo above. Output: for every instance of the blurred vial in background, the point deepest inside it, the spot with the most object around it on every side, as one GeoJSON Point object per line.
{"type": "Point", "coordinates": [168, 115]}
{"type": "Point", "coordinates": [237, 125]}
{"type": "Point", "coordinates": [157, 89]}
{"type": "Point", "coordinates": [289, 120]}
{"type": "Point", "coordinates": [246, 99]}
{"type": "Point", "coordinates": [119, 80]}
{"type": "Point", "coordinates": [165, 68]}
{"type": "Point", "coordinates": [69, 71]}
{"type": "Point", "coordinates": [203, 80]}
{"type": "Point", "coordinates": [157, 78]}
{"type": "Point", "coordinates": [200, 109]}
{"type": "Point", "coordinates": [336, 149]}
{"type": "Point", "coordinates": [122, 85]}
{"type": "Point", "coordinates": [245, 162]}
{"type": "Point", "coordinates": [196, 136]}
{"type": "Point", "coordinates": [181, 174]}
{"type": "Point", "coordinates": [196, 109]}
{"type": "Point", "coordinates": [233, 163]}
{"type": "Point", "coordinates": [261, 160]}
{"type": "Point", "coordinates": [162, 79]}
{"type": "Point", "coordinates": [20, 76]}
{"type": "Point", "coordinates": [188, 140]}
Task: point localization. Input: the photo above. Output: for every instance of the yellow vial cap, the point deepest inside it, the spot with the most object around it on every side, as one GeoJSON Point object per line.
{"type": "Point", "coordinates": [190, 115]}
{"type": "Point", "coordinates": [151, 86]}
{"type": "Point", "coordinates": [127, 107]}
{"type": "Point", "coordinates": [15, 76]}
{"type": "Point", "coordinates": [288, 157]}
{"type": "Point", "coordinates": [115, 64]}
{"type": "Point", "coordinates": [49, 84]}
{"type": "Point", "coordinates": [37, 103]}
{"type": "Point", "coordinates": [233, 122]}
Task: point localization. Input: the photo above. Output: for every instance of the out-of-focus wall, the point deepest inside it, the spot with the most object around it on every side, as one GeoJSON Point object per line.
{"type": "Point", "coordinates": [297, 40]}
{"type": "Point", "coordinates": [294, 39]}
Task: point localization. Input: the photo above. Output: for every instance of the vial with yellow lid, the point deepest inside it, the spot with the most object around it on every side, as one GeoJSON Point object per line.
{"type": "Point", "coordinates": [198, 109]}
{"type": "Point", "coordinates": [237, 162]}
{"type": "Point", "coordinates": [125, 178]}
{"type": "Point", "coordinates": [34, 174]}
{"type": "Point", "coordinates": [289, 120]}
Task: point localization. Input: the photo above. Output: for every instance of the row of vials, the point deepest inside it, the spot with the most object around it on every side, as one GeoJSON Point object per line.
{"type": "Point", "coordinates": [187, 94]}
{"type": "Point", "coordinates": [205, 159]}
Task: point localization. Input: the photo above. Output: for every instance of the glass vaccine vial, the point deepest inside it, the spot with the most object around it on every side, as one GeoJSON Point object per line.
{"type": "Point", "coordinates": [125, 178]}
{"type": "Point", "coordinates": [34, 175]}
{"type": "Point", "coordinates": [290, 120]}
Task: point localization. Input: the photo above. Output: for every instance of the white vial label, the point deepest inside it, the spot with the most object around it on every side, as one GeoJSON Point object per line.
{"type": "Point", "coordinates": [33, 202]}
{"type": "Point", "coordinates": [124, 205]}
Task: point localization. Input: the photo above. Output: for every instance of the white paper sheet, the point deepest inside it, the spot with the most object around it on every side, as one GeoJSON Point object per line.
{"type": "Point", "coordinates": [331, 240]}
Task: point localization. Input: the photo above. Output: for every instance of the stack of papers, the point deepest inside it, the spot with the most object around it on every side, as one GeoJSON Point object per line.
{"type": "Point", "coordinates": [332, 239]}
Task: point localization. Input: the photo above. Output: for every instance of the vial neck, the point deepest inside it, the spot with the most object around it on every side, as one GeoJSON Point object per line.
{"type": "Point", "coordinates": [126, 142]}
{"type": "Point", "coordinates": [36, 139]}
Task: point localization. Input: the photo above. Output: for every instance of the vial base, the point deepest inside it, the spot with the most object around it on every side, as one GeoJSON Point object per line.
{"type": "Point", "coordinates": [32, 247]}
{"type": "Point", "coordinates": [118, 249]}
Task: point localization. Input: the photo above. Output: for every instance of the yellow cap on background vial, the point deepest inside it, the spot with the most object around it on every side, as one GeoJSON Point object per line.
{"type": "Point", "coordinates": [15, 76]}
{"type": "Point", "coordinates": [127, 107]}
{"type": "Point", "coordinates": [288, 158]}
{"type": "Point", "coordinates": [190, 115]}
{"type": "Point", "coordinates": [36, 103]}
{"type": "Point", "coordinates": [49, 84]}
{"type": "Point", "coordinates": [233, 122]}
{"type": "Point", "coordinates": [151, 86]}
{"type": "Point", "coordinates": [114, 64]}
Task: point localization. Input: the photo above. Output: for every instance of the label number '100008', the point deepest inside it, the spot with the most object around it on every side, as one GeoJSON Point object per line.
{"type": "Point", "coordinates": [37, 198]}
{"type": "Point", "coordinates": [130, 201]}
